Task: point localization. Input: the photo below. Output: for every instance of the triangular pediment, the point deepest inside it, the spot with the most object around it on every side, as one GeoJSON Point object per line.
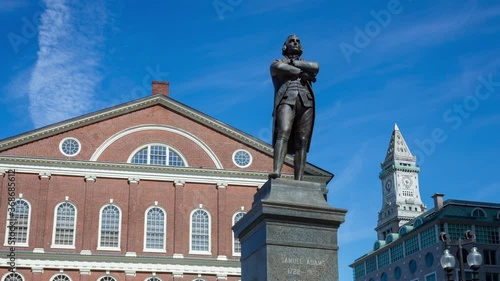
{"type": "Point", "coordinates": [132, 107]}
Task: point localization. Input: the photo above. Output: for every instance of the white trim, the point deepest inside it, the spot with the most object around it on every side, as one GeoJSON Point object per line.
{"type": "Point", "coordinates": [240, 180]}
{"type": "Point", "coordinates": [6, 241]}
{"type": "Point", "coordinates": [234, 238]}
{"type": "Point", "coordinates": [148, 146]}
{"type": "Point", "coordinates": [99, 247]}
{"type": "Point", "coordinates": [102, 266]}
{"type": "Point", "coordinates": [54, 228]}
{"type": "Point", "coordinates": [60, 273]}
{"type": "Point", "coordinates": [249, 155]}
{"type": "Point", "coordinates": [106, 275]}
{"type": "Point", "coordinates": [6, 274]}
{"type": "Point", "coordinates": [209, 252]}
{"type": "Point", "coordinates": [164, 250]}
{"type": "Point", "coordinates": [432, 273]}
{"type": "Point", "coordinates": [147, 278]}
{"type": "Point", "coordinates": [70, 138]}
{"type": "Point", "coordinates": [479, 209]}
{"type": "Point", "coordinates": [140, 128]}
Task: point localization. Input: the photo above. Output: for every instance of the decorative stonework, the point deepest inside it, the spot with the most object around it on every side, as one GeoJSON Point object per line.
{"type": "Point", "coordinates": [44, 175]}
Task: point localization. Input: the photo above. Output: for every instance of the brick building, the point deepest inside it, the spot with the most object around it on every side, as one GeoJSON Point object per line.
{"type": "Point", "coordinates": [408, 247]}
{"type": "Point", "coordinates": [146, 190]}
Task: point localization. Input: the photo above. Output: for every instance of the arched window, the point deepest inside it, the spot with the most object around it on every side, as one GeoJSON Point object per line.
{"type": "Point", "coordinates": [153, 279]}
{"type": "Point", "coordinates": [107, 278]}
{"type": "Point", "coordinates": [154, 239]}
{"type": "Point", "coordinates": [200, 232]}
{"type": "Point", "coordinates": [158, 154]}
{"type": "Point", "coordinates": [198, 279]}
{"type": "Point", "coordinates": [236, 241]}
{"type": "Point", "coordinates": [109, 228]}
{"type": "Point", "coordinates": [13, 276]}
{"type": "Point", "coordinates": [60, 277]}
{"type": "Point", "coordinates": [20, 213]}
{"type": "Point", "coordinates": [64, 226]}
{"type": "Point", "coordinates": [478, 213]}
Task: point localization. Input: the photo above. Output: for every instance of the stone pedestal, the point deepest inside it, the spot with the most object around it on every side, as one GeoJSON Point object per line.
{"type": "Point", "coordinates": [290, 234]}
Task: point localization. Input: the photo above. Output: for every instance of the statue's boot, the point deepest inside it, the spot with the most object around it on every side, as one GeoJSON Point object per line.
{"type": "Point", "coordinates": [279, 158]}
{"type": "Point", "coordinates": [299, 163]}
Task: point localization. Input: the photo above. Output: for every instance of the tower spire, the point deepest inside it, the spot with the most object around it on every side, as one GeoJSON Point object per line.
{"type": "Point", "coordinates": [398, 149]}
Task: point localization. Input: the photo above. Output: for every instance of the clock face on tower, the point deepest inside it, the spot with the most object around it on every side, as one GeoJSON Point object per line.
{"type": "Point", "coordinates": [407, 182]}
{"type": "Point", "coordinates": [388, 185]}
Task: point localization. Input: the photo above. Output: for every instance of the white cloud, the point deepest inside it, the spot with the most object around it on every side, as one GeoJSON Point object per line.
{"type": "Point", "coordinates": [66, 74]}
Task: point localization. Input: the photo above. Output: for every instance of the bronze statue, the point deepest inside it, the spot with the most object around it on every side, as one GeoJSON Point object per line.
{"type": "Point", "coordinates": [293, 106]}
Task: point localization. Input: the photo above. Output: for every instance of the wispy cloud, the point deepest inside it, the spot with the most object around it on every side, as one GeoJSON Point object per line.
{"type": "Point", "coordinates": [66, 73]}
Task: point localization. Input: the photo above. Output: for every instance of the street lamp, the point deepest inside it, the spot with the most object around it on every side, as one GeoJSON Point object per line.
{"type": "Point", "coordinates": [448, 264]}
{"type": "Point", "coordinates": [474, 258]}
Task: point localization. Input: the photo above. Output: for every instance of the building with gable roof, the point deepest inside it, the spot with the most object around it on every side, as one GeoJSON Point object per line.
{"type": "Point", "coordinates": [146, 190]}
{"type": "Point", "coordinates": [408, 245]}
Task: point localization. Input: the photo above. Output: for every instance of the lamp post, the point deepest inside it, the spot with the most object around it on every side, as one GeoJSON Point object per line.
{"type": "Point", "coordinates": [474, 258]}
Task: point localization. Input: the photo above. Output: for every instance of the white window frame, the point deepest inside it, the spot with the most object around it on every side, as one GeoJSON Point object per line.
{"type": "Point", "coordinates": [151, 277]}
{"type": "Point", "coordinates": [104, 276]}
{"type": "Point", "coordinates": [164, 249]}
{"type": "Point", "coordinates": [6, 241]}
{"type": "Point", "coordinates": [60, 273]}
{"type": "Point", "coordinates": [54, 245]}
{"type": "Point", "coordinates": [70, 155]}
{"type": "Point", "coordinates": [7, 274]}
{"type": "Point", "coordinates": [103, 248]}
{"type": "Point", "coordinates": [148, 146]}
{"type": "Point", "coordinates": [249, 155]}
{"type": "Point", "coordinates": [236, 254]}
{"type": "Point", "coordinates": [432, 273]}
{"type": "Point", "coordinates": [209, 252]}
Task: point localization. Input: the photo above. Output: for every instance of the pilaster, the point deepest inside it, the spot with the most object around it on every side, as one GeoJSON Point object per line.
{"type": "Point", "coordinates": [132, 218]}
{"type": "Point", "coordinates": [88, 213]}
{"type": "Point", "coordinates": [223, 226]}
{"type": "Point", "coordinates": [85, 275]}
{"type": "Point", "coordinates": [36, 273]}
{"type": "Point", "coordinates": [179, 219]}
{"type": "Point", "coordinates": [41, 214]}
{"type": "Point", "coordinates": [129, 275]}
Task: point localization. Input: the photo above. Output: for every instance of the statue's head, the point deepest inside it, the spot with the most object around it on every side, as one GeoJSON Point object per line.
{"type": "Point", "coordinates": [292, 46]}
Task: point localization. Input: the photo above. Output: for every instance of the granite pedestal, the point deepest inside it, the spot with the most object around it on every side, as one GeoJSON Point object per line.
{"type": "Point", "coordinates": [290, 234]}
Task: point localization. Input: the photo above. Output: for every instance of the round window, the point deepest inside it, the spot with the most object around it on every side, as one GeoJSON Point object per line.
{"type": "Point", "coordinates": [242, 158]}
{"type": "Point", "coordinates": [70, 146]}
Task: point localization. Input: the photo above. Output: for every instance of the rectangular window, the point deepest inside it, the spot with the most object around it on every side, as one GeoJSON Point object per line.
{"type": "Point", "coordinates": [359, 271]}
{"type": "Point", "coordinates": [428, 237]}
{"type": "Point", "coordinates": [397, 253]}
{"type": "Point", "coordinates": [487, 234]}
{"type": "Point", "coordinates": [457, 231]}
{"type": "Point", "coordinates": [492, 276]}
{"type": "Point", "coordinates": [371, 265]}
{"type": "Point", "coordinates": [490, 257]}
{"type": "Point", "coordinates": [411, 245]}
{"type": "Point", "coordinates": [431, 277]}
{"type": "Point", "coordinates": [383, 259]}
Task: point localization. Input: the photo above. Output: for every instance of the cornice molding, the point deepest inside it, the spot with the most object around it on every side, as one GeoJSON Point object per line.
{"type": "Point", "coordinates": [127, 265]}
{"type": "Point", "coordinates": [144, 172]}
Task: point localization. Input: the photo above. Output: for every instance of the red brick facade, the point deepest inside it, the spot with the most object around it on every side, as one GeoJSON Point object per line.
{"type": "Point", "coordinates": [99, 176]}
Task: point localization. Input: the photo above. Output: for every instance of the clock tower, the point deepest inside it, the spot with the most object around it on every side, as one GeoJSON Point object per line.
{"type": "Point", "coordinates": [401, 200]}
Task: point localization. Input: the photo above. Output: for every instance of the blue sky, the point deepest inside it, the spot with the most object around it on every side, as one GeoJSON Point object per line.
{"type": "Point", "coordinates": [430, 66]}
